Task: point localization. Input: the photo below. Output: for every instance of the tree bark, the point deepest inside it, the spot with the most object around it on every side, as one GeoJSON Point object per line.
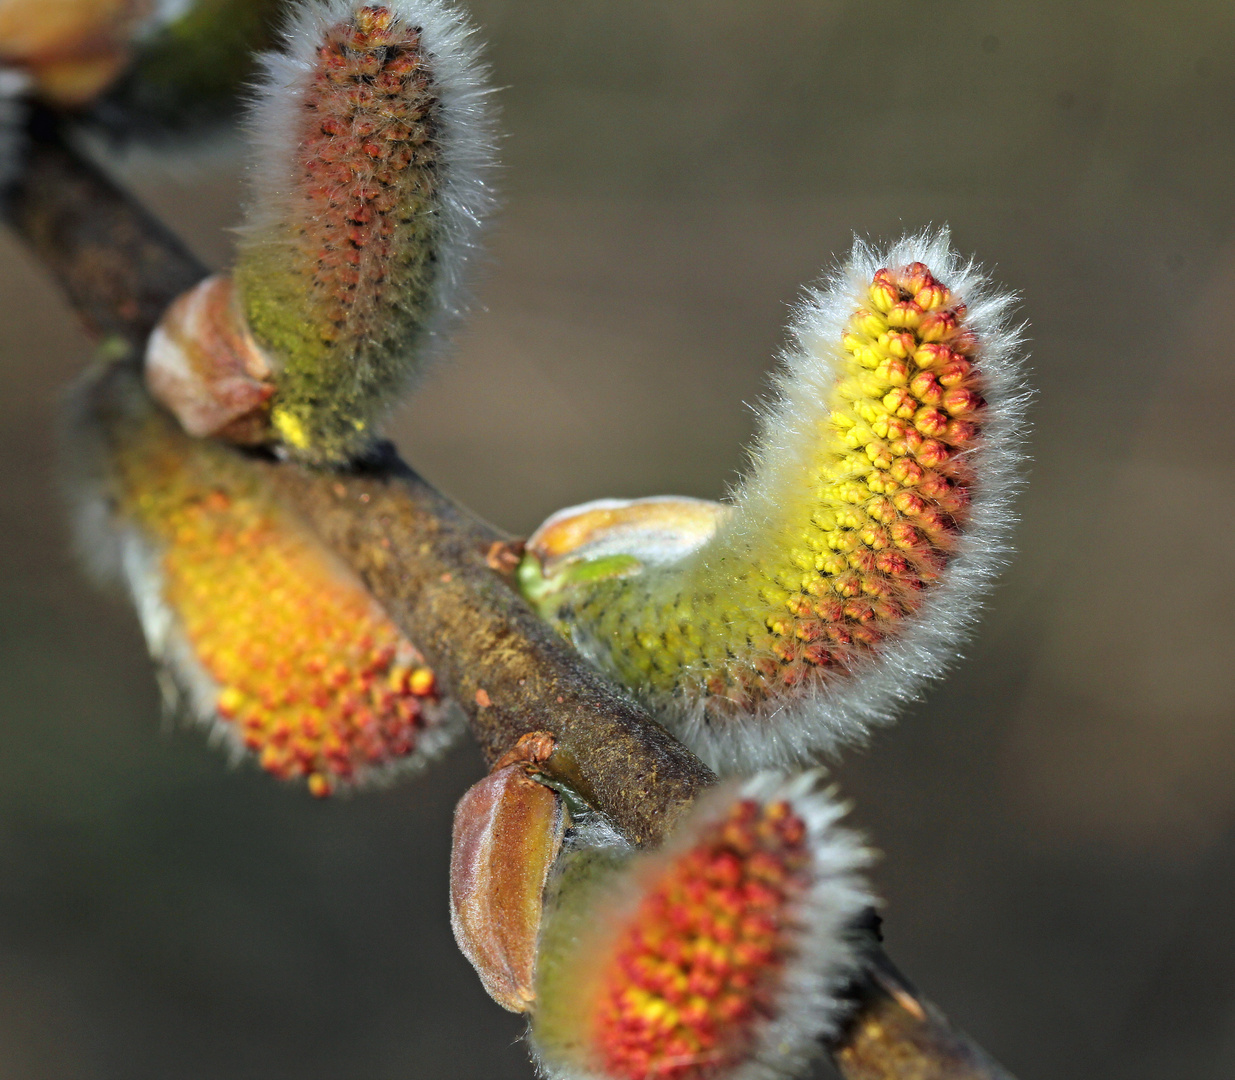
{"type": "Point", "coordinates": [430, 565]}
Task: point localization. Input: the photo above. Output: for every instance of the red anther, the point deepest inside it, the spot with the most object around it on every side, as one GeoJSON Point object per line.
{"type": "Point", "coordinates": [932, 453]}
{"type": "Point", "coordinates": [869, 633]}
{"type": "Point", "coordinates": [933, 519]}
{"type": "Point", "coordinates": [907, 442]}
{"type": "Point", "coordinates": [906, 536]}
{"type": "Point", "coordinates": [819, 655]}
{"type": "Point", "coordinates": [926, 388]}
{"type": "Point", "coordinates": [829, 609]}
{"type": "Point", "coordinates": [799, 606]}
{"type": "Point", "coordinates": [839, 634]}
{"type": "Point", "coordinates": [931, 355]}
{"type": "Point", "coordinates": [917, 277]}
{"type": "Point", "coordinates": [955, 500]}
{"type": "Point", "coordinates": [890, 562]}
{"type": "Point", "coordinates": [906, 313]}
{"type": "Point", "coordinates": [881, 481]}
{"type": "Point", "coordinates": [906, 471]}
{"type": "Point", "coordinates": [935, 487]}
{"type": "Point", "coordinates": [368, 63]}
{"type": "Point", "coordinates": [901, 344]}
{"type": "Point", "coordinates": [931, 295]}
{"type": "Point", "coordinates": [879, 453]}
{"type": "Point", "coordinates": [885, 278]}
{"type": "Point", "coordinates": [961, 401]}
{"type": "Point", "coordinates": [961, 432]}
{"type": "Point", "coordinates": [331, 59]}
{"type": "Point", "coordinates": [930, 421]}
{"type": "Point", "coordinates": [937, 325]}
{"type": "Point", "coordinates": [862, 559]}
{"type": "Point", "coordinates": [847, 584]}
{"type": "Point", "coordinates": [360, 95]}
{"type": "Point", "coordinates": [955, 371]}
{"type": "Point", "coordinates": [881, 509]}
{"type": "Point", "coordinates": [390, 84]}
{"type": "Point", "coordinates": [403, 62]}
{"type": "Point", "coordinates": [860, 610]}
{"type": "Point", "coordinates": [883, 294]}
{"type": "Point", "coordinates": [894, 371]}
{"type": "Point", "coordinates": [900, 402]}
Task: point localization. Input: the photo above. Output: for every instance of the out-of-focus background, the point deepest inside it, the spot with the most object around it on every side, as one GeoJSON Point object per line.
{"type": "Point", "coordinates": [1057, 819]}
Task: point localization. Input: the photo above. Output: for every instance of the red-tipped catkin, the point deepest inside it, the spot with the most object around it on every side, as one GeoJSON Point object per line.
{"type": "Point", "coordinates": [714, 959]}
{"type": "Point", "coordinates": [852, 560]}
{"type": "Point", "coordinates": [372, 133]}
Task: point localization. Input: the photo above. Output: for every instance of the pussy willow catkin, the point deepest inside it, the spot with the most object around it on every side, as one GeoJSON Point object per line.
{"type": "Point", "coordinates": [372, 133]}
{"type": "Point", "coordinates": [853, 556]}
{"type": "Point", "coordinates": [265, 638]}
{"type": "Point", "coordinates": [718, 957]}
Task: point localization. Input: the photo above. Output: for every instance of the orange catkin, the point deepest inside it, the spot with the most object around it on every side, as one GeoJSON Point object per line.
{"type": "Point", "coordinates": [269, 636]}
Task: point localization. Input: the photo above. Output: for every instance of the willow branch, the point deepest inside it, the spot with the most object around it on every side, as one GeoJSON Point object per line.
{"type": "Point", "coordinates": [118, 266]}
{"type": "Point", "coordinates": [429, 563]}
{"type": "Point", "coordinates": [442, 575]}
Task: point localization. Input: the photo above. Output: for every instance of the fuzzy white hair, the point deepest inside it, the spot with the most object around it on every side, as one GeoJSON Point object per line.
{"type": "Point", "coordinates": [466, 136]}
{"type": "Point", "coordinates": [824, 953]}
{"type": "Point", "coordinates": [837, 709]}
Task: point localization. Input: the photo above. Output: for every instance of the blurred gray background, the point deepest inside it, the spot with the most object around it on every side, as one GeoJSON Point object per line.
{"type": "Point", "coordinates": [1057, 819]}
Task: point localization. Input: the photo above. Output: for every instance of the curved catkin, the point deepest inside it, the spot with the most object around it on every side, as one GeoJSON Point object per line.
{"type": "Point", "coordinates": [719, 957]}
{"type": "Point", "coordinates": [373, 140]}
{"type": "Point", "coordinates": [854, 555]}
{"type": "Point", "coordinates": [266, 639]}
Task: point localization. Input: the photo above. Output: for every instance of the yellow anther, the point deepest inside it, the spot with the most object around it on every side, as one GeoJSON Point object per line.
{"type": "Point", "coordinates": [882, 295]}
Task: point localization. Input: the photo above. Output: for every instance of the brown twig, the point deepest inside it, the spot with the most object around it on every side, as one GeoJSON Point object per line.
{"type": "Point", "coordinates": [118, 265]}
{"type": "Point", "coordinates": [894, 1033]}
{"type": "Point", "coordinates": [427, 561]}
{"type": "Point", "coordinates": [441, 576]}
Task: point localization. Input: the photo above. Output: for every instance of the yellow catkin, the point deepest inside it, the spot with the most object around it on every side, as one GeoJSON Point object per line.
{"type": "Point", "coordinates": [847, 556]}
